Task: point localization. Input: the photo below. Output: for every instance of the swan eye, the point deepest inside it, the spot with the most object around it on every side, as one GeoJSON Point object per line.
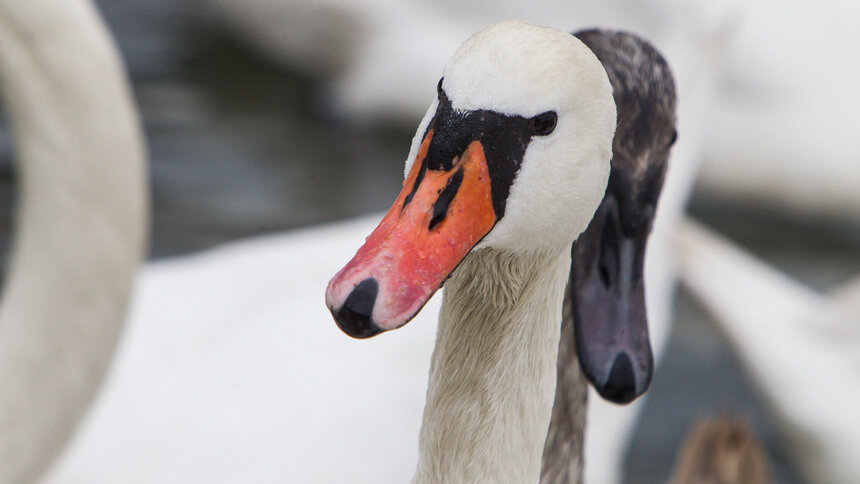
{"type": "Point", "coordinates": [543, 124]}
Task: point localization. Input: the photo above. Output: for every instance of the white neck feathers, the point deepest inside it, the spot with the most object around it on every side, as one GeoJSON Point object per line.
{"type": "Point", "coordinates": [492, 379]}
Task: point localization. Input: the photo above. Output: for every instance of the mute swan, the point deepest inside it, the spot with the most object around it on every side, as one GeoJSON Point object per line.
{"type": "Point", "coordinates": [80, 232]}
{"type": "Point", "coordinates": [500, 180]}
{"type": "Point", "coordinates": [696, 75]}
{"type": "Point", "coordinates": [801, 348]}
{"type": "Point", "coordinates": [605, 301]}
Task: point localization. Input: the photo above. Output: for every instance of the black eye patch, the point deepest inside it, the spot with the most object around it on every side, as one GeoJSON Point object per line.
{"type": "Point", "coordinates": [503, 138]}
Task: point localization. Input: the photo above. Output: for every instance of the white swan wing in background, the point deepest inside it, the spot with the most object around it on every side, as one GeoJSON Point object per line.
{"type": "Point", "coordinates": [802, 349]}
{"type": "Point", "coordinates": [231, 370]}
{"type": "Point", "coordinates": [80, 229]}
{"type": "Point", "coordinates": [785, 130]}
{"type": "Point", "coordinates": [846, 298]}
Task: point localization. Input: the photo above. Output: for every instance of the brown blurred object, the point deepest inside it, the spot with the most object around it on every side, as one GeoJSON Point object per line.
{"type": "Point", "coordinates": [721, 450]}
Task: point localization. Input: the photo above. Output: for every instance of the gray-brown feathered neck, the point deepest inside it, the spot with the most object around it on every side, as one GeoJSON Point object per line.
{"type": "Point", "coordinates": [565, 441]}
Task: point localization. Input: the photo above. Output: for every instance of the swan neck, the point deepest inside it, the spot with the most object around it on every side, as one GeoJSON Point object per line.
{"type": "Point", "coordinates": [565, 441]}
{"type": "Point", "coordinates": [492, 376]}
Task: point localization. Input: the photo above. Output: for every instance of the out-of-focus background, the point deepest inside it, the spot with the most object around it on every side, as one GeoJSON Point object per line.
{"type": "Point", "coordinates": [246, 137]}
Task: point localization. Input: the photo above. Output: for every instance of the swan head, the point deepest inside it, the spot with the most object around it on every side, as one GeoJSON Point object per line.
{"type": "Point", "coordinates": [607, 287]}
{"type": "Point", "coordinates": [513, 154]}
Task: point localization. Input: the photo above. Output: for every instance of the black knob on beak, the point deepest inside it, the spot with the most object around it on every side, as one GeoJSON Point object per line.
{"type": "Point", "coordinates": [354, 316]}
{"type": "Point", "coordinates": [620, 386]}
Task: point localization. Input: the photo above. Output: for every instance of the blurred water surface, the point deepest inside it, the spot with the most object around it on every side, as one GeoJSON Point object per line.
{"type": "Point", "coordinates": [241, 147]}
{"type": "Point", "coordinates": [237, 147]}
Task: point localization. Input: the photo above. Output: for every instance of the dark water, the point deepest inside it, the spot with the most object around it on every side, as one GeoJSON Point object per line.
{"type": "Point", "coordinates": [240, 147]}
{"type": "Point", "coordinates": [237, 144]}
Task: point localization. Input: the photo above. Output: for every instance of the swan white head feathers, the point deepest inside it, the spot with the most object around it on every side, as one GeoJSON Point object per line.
{"type": "Point", "coordinates": [513, 154]}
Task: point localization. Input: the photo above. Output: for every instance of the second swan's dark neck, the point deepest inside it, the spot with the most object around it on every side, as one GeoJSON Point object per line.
{"type": "Point", "coordinates": [563, 450]}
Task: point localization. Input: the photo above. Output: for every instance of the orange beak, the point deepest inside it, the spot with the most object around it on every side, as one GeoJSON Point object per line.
{"type": "Point", "coordinates": [434, 223]}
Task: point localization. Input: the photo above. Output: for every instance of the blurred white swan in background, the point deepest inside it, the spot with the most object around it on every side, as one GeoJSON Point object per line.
{"type": "Point", "coordinates": [80, 228]}
{"type": "Point", "coordinates": [782, 132]}
{"type": "Point", "coordinates": [801, 348]}
{"type": "Point", "coordinates": [378, 57]}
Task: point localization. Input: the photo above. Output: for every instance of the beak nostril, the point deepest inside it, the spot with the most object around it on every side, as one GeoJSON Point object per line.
{"type": "Point", "coordinates": [620, 386]}
{"type": "Point", "coordinates": [604, 274]}
{"type": "Point", "coordinates": [440, 208]}
{"type": "Point", "coordinates": [354, 316]}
